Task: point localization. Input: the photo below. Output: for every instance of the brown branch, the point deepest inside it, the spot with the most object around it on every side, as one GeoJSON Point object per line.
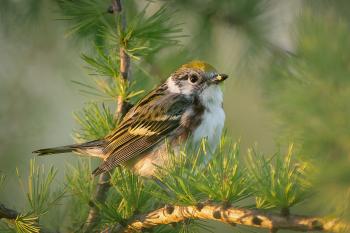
{"type": "Point", "coordinates": [122, 107]}
{"type": "Point", "coordinates": [7, 213]}
{"type": "Point", "coordinates": [99, 196]}
{"type": "Point", "coordinates": [124, 66]}
{"type": "Point", "coordinates": [233, 216]}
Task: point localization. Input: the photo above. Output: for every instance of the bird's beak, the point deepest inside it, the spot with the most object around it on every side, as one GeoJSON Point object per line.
{"type": "Point", "coordinates": [218, 78]}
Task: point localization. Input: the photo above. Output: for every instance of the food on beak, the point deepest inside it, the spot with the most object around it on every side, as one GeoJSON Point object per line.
{"type": "Point", "coordinates": [218, 78]}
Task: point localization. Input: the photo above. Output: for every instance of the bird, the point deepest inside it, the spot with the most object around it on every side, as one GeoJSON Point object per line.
{"type": "Point", "coordinates": [187, 106]}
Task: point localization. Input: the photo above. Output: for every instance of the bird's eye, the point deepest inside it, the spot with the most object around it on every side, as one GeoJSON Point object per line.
{"type": "Point", "coordinates": [193, 78]}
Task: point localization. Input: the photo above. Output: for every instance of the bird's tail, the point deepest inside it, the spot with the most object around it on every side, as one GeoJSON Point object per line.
{"type": "Point", "coordinates": [83, 147]}
{"type": "Point", "coordinates": [55, 150]}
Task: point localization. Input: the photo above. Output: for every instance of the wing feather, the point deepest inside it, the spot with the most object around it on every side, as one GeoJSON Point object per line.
{"type": "Point", "coordinates": [143, 128]}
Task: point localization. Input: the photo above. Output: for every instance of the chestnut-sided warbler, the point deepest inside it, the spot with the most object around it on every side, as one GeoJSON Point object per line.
{"type": "Point", "coordinates": [188, 105]}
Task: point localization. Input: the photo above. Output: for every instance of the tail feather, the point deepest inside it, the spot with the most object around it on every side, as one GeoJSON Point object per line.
{"type": "Point", "coordinates": [70, 148]}
{"type": "Point", "coordinates": [55, 150]}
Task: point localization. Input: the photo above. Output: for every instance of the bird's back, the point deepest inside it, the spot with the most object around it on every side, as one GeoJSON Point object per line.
{"type": "Point", "coordinates": [146, 126]}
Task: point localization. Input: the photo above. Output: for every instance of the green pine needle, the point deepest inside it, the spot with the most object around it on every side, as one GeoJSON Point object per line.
{"type": "Point", "coordinates": [80, 181]}
{"type": "Point", "coordinates": [177, 177]}
{"type": "Point", "coordinates": [147, 34]}
{"type": "Point", "coordinates": [104, 64]}
{"type": "Point", "coordinates": [95, 122]}
{"type": "Point", "coordinates": [165, 229]}
{"type": "Point", "coordinates": [224, 178]}
{"type": "Point", "coordinates": [40, 194]}
{"type": "Point", "coordinates": [80, 188]}
{"type": "Point", "coordinates": [110, 213]}
{"type": "Point", "coordinates": [87, 18]}
{"type": "Point", "coordinates": [195, 175]}
{"type": "Point", "coordinates": [6, 228]}
{"type": "Point", "coordinates": [2, 180]}
{"type": "Point", "coordinates": [26, 223]}
{"type": "Point", "coordinates": [133, 192]}
{"type": "Point", "coordinates": [279, 182]}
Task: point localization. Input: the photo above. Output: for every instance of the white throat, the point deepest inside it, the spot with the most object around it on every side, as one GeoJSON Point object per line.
{"type": "Point", "coordinates": [213, 117]}
{"type": "Point", "coordinates": [211, 96]}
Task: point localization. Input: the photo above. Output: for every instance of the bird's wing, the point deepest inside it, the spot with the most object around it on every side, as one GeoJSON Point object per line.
{"type": "Point", "coordinates": [146, 124]}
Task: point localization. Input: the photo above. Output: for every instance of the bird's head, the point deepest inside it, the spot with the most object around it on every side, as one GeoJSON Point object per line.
{"type": "Point", "coordinates": [195, 77]}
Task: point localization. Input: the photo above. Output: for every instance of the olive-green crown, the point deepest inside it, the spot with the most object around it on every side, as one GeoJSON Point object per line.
{"type": "Point", "coordinates": [201, 65]}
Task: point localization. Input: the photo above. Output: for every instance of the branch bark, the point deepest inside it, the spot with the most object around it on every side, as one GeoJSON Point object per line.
{"type": "Point", "coordinates": [233, 216]}
{"type": "Point", "coordinates": [103, 184]}
{"type": "Point", "coordinates": [99, 196]}
{"type": "Point", "coordinates": [7, 213]}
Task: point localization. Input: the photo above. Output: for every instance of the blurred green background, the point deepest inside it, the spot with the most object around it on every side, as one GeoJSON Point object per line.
{"type": "Point", "coordinates": [289, 67]}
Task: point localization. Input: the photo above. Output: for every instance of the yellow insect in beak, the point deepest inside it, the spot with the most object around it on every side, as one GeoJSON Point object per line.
{"type": "Point", "coordinates": [216, 79]}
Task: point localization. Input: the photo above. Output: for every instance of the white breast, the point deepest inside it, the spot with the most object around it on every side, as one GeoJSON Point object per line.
{"type": "Point", "coordinates": [213, 118]}
{"type": "Point", "coordinates": [210, 127]}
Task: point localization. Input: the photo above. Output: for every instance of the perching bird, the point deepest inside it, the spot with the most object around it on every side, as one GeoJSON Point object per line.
{"type": "Point", "coordinates": [187, 106]}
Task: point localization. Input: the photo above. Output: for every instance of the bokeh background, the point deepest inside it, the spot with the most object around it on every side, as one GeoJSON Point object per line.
{"type": "Point", "coordinates": [289, 67]}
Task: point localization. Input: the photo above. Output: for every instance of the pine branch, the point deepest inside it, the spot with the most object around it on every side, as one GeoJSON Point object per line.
{"type": "Point", "coordinates": [122, 107]}
{"type": "Point", "coordinates": [11, 214]}
{"type": "Point", "coordinates": [99, 196]}
{"type": "Point", "coordinates": [233, 216]}
{"type": "Point", "coordinates": [7, 213]}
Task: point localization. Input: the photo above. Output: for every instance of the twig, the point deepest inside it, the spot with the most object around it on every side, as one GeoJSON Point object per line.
{"type": "Point", "coordinates": [122, 107]}
{"type": "Point", "coordinates": [99, 196]}
{"type": "Point", "coordinates": [240, 216]}
{"type": "Point", "coordinates": [7, 213]}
